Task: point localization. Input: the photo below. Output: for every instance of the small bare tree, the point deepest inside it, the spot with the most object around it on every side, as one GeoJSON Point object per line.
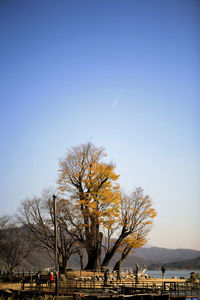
{"type": "Point", "coordinates": [37, 214]}
{"type": "Point", "coordinates": [134, 223]}
{"type": "Point", "coordinates": [14, 247]}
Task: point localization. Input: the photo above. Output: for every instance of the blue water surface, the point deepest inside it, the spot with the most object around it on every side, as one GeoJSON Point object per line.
{"type": "Point", "coordinates": [171, 273]}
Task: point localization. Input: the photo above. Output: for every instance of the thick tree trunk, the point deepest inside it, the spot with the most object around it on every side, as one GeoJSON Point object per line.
{"type": "Point", "coordinates": [62, 263]}
{"type": "Point", "coordinates": [93, 260]}
{"type": "Point", "coordinates": [94, 255]}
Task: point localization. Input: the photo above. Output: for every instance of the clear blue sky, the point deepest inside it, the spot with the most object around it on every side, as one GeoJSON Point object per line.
{"type": "Point", "coordinates": [121, 74]}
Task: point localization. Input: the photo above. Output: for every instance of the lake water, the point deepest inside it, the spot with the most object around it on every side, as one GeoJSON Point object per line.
{"type": "Point", "coordinates": [170, 273]}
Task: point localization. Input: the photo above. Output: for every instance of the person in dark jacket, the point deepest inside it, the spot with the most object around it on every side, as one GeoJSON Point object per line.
{"type": "Point", "coordinates": [163, 271]}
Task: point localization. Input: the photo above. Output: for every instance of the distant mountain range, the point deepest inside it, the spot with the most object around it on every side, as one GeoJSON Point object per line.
{"type": "Point", "coordinates": [152, 257]}
{"type": "Point", "coordinates": [184, 264]}
{"type": "Point", "coordinates": [165, 255]}
{"type": "Point", "coordinates": [155, 257]}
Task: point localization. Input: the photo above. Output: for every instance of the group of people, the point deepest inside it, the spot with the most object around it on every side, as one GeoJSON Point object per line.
{"type": "Point", "coordinates": [51, 278]}
{"type": "Point", "coordinates": [106, 275]}
{"type": "Point", "coordinates": [135, 272]}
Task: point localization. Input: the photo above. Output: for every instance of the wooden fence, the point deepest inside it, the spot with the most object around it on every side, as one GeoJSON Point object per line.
{"type": "Point", "coordinates": [97, 286]}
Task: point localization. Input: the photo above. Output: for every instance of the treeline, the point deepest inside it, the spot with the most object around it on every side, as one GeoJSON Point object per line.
{"type": "Point", "coordinates": [93, 216]}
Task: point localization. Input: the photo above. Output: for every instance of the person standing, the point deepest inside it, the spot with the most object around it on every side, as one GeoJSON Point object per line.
{"type": "Point", "coordinates": [51, 278]}
{"type": "Point", "coordinates": [38, 278]}
{"type": "Point", "coordinates": [119, 274]}
{"type": "Point", "coordinates": [106, 276]}
{"type": "Point", "coordinates": [136, 273]}
{"type": "Point", "coordinates": [163, 272]}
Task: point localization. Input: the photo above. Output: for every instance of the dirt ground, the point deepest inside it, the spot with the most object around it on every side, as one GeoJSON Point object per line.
{"type": "Point", "coordinates": [13, 286]}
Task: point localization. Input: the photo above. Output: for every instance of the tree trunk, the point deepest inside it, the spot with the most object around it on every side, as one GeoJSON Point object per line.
{"type": "Point", "coordinates": [125, 253]}
{"type": "Point", "coordinates": [117, 266]}
{"type": "Point", "coordinates": [112, 251]}
{"type": "Point", "coordinates": [62, 264]}
{"type": "Point", "coordinates": [94, 255]}
{"type": "Point", "coordinates": [12, 269]}
{"type": "Point", "coordinates": [92, 259]}
{"type": "Point", "coordinates": [80, 253]}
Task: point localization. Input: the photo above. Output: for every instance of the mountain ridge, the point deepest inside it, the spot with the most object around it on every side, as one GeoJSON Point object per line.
{"type": "Point", "coordinates": [153, 257]}
{"type": "Point", "coordinates": [185, 264]}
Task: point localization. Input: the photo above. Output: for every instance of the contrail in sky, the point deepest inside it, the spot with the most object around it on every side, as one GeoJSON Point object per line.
{"type": "Point", "coordinates": [116, 100]}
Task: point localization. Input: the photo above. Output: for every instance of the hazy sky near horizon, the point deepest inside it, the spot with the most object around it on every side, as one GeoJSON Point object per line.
{"type": "Point", "coordinates": [123, 74]}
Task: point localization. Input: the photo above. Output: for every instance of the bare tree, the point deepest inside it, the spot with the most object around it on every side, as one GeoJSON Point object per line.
{"type": "Point", "coordinates": [14, 247]}
{"type": "Point", "coordinates": [135, 221]}
{"type": "Point", "coordinates": [38, 216]}
{"type": "Point", "coordinates": [131, 242]}
{"type": "Point", "coordinates": [91, 213]}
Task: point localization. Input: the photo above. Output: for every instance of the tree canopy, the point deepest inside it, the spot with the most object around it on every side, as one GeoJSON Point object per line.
{"type": "Point", "coordinates": [37, 215]}
{"type": "Point", "coordinates": [14, 247]}
{"type": "Point", "coordinates": [92, 213]}
{"type": "Point", "coordinates": [91, 185]}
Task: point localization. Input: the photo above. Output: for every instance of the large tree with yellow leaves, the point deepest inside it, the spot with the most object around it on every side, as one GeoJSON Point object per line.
{"type": "Point", "coordinates": [94, 206]}
{"type": "Point", "coordinates": [91, 186]}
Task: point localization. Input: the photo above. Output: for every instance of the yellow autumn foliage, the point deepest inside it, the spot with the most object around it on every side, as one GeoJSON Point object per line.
{"type": "Point", "coordinates": [91, 183]}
